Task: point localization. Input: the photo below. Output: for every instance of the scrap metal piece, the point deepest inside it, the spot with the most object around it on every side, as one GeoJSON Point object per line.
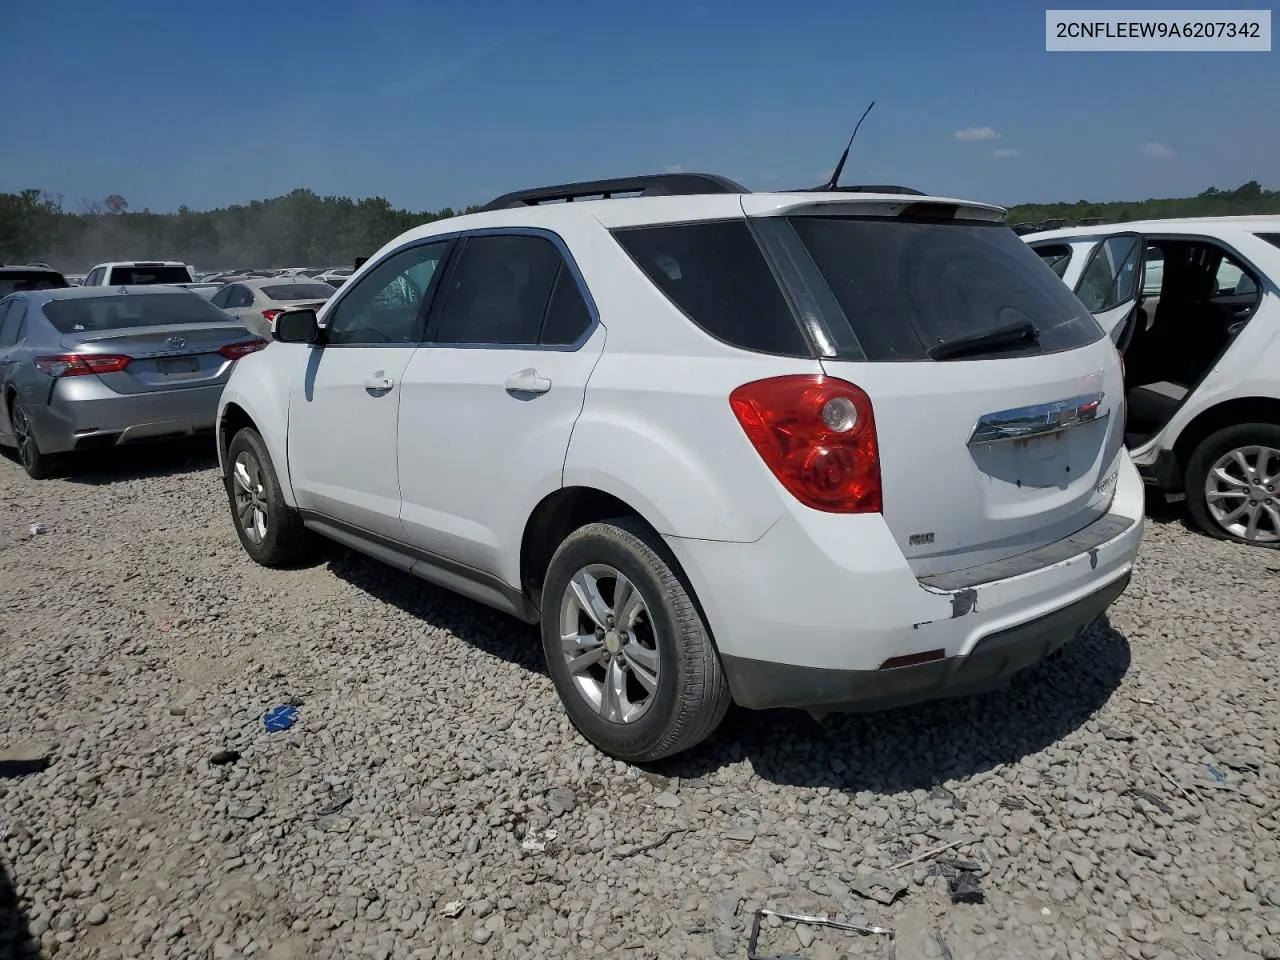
{"type": "Point", "coordinates": [756, 921]}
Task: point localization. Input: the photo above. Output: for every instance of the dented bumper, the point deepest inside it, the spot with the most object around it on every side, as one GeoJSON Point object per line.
{"type": "Point", "coordinates": [829, 616]}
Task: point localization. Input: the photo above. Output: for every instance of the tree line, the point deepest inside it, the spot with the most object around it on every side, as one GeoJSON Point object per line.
{"type": "Point", "coordinates": [305, 229]}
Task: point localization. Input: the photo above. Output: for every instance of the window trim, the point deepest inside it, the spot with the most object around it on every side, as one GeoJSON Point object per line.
{"type": "Point", "coordinates": [462, 236]}
{"type": "Point", "coordinates": [334, 303]}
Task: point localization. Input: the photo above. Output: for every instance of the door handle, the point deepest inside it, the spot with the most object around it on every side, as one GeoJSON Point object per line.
{"type": "Point", "coordinates": [379, 383]}
{"type": "Point", "coordinates": [527, 381]}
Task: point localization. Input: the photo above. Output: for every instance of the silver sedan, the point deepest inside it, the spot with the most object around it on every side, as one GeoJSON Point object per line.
{"type": "Point", "coordinates": [87, 367]}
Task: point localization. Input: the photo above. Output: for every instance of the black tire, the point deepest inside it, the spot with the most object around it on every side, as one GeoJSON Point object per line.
{"type": "Point", "coordinates": [1208, 453]}
{"type": "Point", "coordinates": [691, 694]}
{"type": "Point", "coordinates": [281, 538]}
{"type": "Point", "coordinates": [38, 464]}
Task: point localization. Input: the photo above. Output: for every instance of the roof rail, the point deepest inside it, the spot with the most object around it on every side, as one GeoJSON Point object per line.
{"type": "Point", "coordinates": [646, 185]}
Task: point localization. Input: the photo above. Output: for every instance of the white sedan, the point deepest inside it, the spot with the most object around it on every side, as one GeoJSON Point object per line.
{"type": "Point", "coordinates": [256, 303]}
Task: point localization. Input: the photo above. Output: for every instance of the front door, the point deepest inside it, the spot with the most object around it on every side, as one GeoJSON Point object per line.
{"type": "Point", "coordinates": [343, 412]}
{"type": "Point", "coordinates": [491, 400]}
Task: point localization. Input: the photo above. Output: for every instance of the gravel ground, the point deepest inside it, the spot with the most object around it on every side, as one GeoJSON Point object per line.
{"type": "Point", "coordinates": [432, 800]}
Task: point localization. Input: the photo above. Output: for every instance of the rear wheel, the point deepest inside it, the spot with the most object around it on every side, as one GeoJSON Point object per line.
{"type": "Point", "coordinates": [1233, 484]}
{"type": "Point", "coordinates": [626, 646]}
{"type": "Point", "coordinates": [37, 464]}
{"type": "Point", "coordinates": [269, 529]}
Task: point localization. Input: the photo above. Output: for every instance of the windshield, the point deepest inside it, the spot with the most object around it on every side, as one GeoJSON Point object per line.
{"type": "Point", "coordinates": [299, 291]}
{"type": "Point", "coordinates": [908, 286]}
{"type": "Point", "coordinates": [35, 280]}
{"type": "Point", "coordinates": [123, 311]}
{"type": "Point", "coordinates": [145, 275]}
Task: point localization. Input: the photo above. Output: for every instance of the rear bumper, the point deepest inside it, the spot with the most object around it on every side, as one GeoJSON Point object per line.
{"type": "Point", "coordinates": [810, 614]}
{"type": "Point", "coordinates": [990, 665]}
{"type": "Point", "coordinates": [88, 415]}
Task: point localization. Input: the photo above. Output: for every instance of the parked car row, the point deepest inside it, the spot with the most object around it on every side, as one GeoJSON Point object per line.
{"type": "Point", "coordinates": [832, 450]}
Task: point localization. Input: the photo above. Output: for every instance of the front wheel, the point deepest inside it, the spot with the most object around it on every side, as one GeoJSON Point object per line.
{"type": "Point", "coordinates": [270, 531]}
{"type": "Point", "coordinates": [1233, 484]}
{"type": "Point", "coordinates": [626, 647]}
{"type": "Point", "coordinates": [37, 463]}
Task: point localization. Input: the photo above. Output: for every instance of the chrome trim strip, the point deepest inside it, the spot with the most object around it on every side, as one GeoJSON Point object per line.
{"type": "Point", "coordinates": [1037, 420]}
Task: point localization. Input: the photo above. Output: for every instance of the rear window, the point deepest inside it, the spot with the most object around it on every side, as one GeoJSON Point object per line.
{"type": "Point", "coordinates": [122, 311]}
{"type": "Point", "coordinates": [145, 275]}
{"type": "Point", "coordinates": [717, 275]}
{"type": "Point", "coordinates": [908, 287]}
{"type": "Point", "coordinates": [12, 281]}
{"type": "Point", "coordinates": [299, 291]}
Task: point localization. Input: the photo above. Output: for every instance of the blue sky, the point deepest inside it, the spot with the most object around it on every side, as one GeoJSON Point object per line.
{"type": "Point", "coordinates": [432, 104]}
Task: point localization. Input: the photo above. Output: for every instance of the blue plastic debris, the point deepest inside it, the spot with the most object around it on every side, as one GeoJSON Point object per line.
{"type": "Point", "coordinates": [1217, 774]}
{"type": "Point", "coordinates": [280, 718]}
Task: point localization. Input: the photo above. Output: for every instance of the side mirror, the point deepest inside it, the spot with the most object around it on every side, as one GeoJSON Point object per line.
{"type": "Point", "coordinates": [296, 326]}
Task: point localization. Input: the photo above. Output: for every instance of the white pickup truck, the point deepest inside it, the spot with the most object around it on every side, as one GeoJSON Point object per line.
{"type": "Point", "coordinates": [172, 273]}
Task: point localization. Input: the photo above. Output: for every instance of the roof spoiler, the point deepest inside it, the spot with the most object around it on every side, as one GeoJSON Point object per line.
{"type": "Point", "coordinates": [645, 185]}
{"type": "Point", "coordinates": [863, 188]}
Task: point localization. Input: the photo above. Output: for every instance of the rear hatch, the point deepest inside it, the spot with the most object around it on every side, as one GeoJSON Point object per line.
{"type": "Point", "coordinates": [172, 340]}
{"type": "Point", "coordinates": [997, 397]}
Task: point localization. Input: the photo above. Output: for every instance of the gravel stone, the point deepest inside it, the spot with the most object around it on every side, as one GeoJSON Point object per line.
{"type": "Point", "coordinates": [391, 823]}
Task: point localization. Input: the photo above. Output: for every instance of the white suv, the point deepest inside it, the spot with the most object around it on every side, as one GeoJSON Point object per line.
{"type": "Point", "coordinates": [828, 450]}
{"type": "Point", "coordinates": [1201, 353]}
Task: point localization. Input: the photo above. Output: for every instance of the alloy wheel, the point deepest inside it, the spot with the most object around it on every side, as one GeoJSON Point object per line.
{"type": "Point", "coordinates": [24, 438]}
{"type": "Point", "coordinates": [1242, 492]}
{"type": "Point", "coordinates": [609, 643]}
{"type": "Point", "coordinates": [251, 497]}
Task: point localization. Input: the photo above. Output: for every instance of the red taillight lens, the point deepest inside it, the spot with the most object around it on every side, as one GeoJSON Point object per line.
{"type": "Point", "coordinates": [81, 364]}
{"type": "Point", "coordinates": [818, 436]}
{"type": "Point", "coordinates": [271, 314]}
{"type": "Point", "coordinates": [234, 351]}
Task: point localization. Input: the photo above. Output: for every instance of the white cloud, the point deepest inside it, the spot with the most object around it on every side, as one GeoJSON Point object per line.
{"type": "Point", "coordinates": [1005, 153]}
{"type": "Point", "coordinates": [1157, 151]}
{"type": "Point", "coordinates": [673, 168]}
{"type": "Point", "coordinates": [977, 133]}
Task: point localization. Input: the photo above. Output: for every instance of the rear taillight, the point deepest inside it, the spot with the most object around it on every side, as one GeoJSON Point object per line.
{"type": "Point", "coordinates": [234, 351]}
{"type": "Point", "coordinates": [271, 314]}
{"type": "Point", "coordinates": [818, 436]}
{"type": "Point", "coordinates": [81, 364]}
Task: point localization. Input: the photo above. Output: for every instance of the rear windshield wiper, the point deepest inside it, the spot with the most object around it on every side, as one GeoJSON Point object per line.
{"type": "Point", "coordinates": [1007, 335]}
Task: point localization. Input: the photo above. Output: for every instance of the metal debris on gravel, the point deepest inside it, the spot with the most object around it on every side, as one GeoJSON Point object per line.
{"type": "Point", "coordinates": [1100, 827]}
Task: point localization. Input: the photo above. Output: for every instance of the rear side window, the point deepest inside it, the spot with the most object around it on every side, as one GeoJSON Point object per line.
{"type": "Point", "coordinates": [14, 280]}
{"type": "Point", "coordinates": [122, 311]}
{"type": "Point", "coordinates": [908, 287]}
{"type": "Point", "coordinates": [145, 275]}
{"type": "Point", "coordinates": [11, 317]}
{"type": "Point", "coordinates": [1055, 256]}
{"type": "Point", "coordinates": [500, 291]}
{"type": "Point", "coordinates": [717, 275]}
{"type": "Point", "coordinates": [300, 291]}
{"type": "Point", "coordinates": [1271, 238]}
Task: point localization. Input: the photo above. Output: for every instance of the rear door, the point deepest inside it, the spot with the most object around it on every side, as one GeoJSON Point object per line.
{"type": "Point", "coordinates": [996, 396]}
{"type": "Point", "coordinates": [343, 411]}
{"type": "Point", "coordinates": [490, 403]}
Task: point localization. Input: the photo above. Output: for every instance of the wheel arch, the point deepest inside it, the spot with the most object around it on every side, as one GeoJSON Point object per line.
{"type": "Point", "coordinates": [1226, 414]}
{"type": "Point", "coordinates": [236, 414]}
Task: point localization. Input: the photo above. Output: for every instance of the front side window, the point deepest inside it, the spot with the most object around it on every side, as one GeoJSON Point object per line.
{"type": "Point", "coordinates": [387, 304]}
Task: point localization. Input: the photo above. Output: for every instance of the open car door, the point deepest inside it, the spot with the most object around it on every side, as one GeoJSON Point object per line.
{"type": "Point", "coordinates": [1111, 285]}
